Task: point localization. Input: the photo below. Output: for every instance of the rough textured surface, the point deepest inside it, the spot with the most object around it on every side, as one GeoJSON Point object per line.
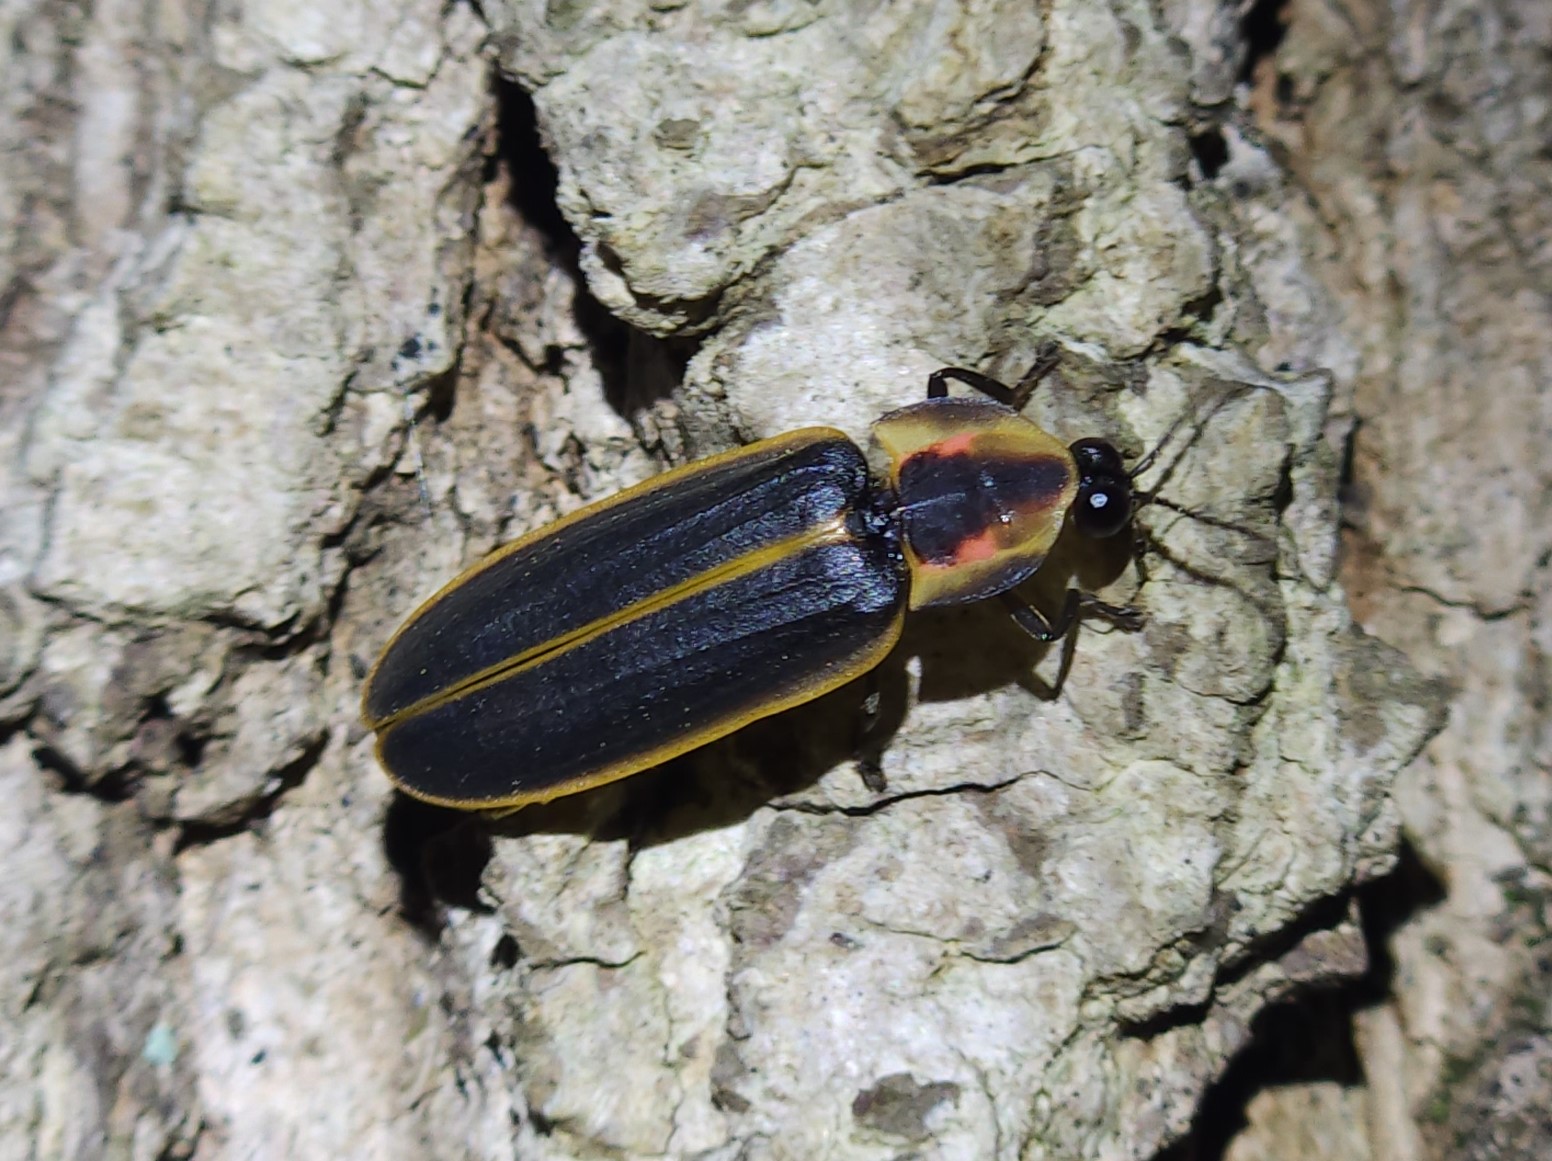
{"type": "Point", "coordinates": [1419, 133]}
{"type": "Point", "coordinates": [233, 245]}
{"type": "Point", "coordinates": [243, 249]}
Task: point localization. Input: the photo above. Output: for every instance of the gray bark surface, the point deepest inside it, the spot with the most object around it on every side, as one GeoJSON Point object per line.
{"type": "Point", "coordinates": [290, 332]}
{"type": "Point", "coordinates": [1419, 133]}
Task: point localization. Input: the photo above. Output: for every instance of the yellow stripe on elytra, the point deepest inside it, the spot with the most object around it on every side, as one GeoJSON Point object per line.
{"type": "Point", "coordinates": [832, 532]}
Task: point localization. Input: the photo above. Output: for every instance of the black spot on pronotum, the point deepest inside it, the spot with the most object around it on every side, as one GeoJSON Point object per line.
{"type": "Point", "coordinates": [962, 491]}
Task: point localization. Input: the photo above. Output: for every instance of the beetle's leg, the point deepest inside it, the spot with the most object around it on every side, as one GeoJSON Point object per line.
{"type": "Point", "coordinates": [1046, 359]}
{"type": "Point", "coordinates": [937, 384]}
{"type": "Point", "coordinates": [1037, 624]}
{"type": "Point", "coordinates": [870, 757]}
{"type": "Point", "coordinates": [1076, 604]}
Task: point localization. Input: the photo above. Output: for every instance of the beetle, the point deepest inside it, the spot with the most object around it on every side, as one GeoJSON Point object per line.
{"type": "Point", "coordinates": [677, 611]}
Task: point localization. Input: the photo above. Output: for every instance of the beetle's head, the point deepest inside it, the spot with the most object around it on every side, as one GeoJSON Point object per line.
{"type": "Point", "coordinates": [1104, 503]}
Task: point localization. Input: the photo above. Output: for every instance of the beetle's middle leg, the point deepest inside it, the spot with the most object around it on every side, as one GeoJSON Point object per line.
{"type": "Point", "coordinates": [1076, 604]}
{"type": "Point", "coordinates": [866, 744]}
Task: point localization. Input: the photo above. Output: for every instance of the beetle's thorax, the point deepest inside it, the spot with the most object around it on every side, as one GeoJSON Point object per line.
{"type": "Point", "coordinates": [980, 495]}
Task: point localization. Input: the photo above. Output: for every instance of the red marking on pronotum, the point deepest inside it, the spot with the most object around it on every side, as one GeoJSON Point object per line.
{"type": "Point", "coordinates": [952, 446]}
{"type": "Point", "coordinates": [973, 548]}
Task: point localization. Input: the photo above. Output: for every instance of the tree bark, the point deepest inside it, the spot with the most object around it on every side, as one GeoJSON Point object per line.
{"type": "Point", "coordinates": [298, 320]}
{"type": "Point", "coordinates": [1418, 133]}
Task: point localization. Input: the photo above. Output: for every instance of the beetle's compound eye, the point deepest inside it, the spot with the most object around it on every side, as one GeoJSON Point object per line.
{"type": "Point", "coordinates": [1104, 502]}
{"type": "Point", "coordinates": [1103, 507]}
{"type": "Point", "coordinates": [1096, 457]}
